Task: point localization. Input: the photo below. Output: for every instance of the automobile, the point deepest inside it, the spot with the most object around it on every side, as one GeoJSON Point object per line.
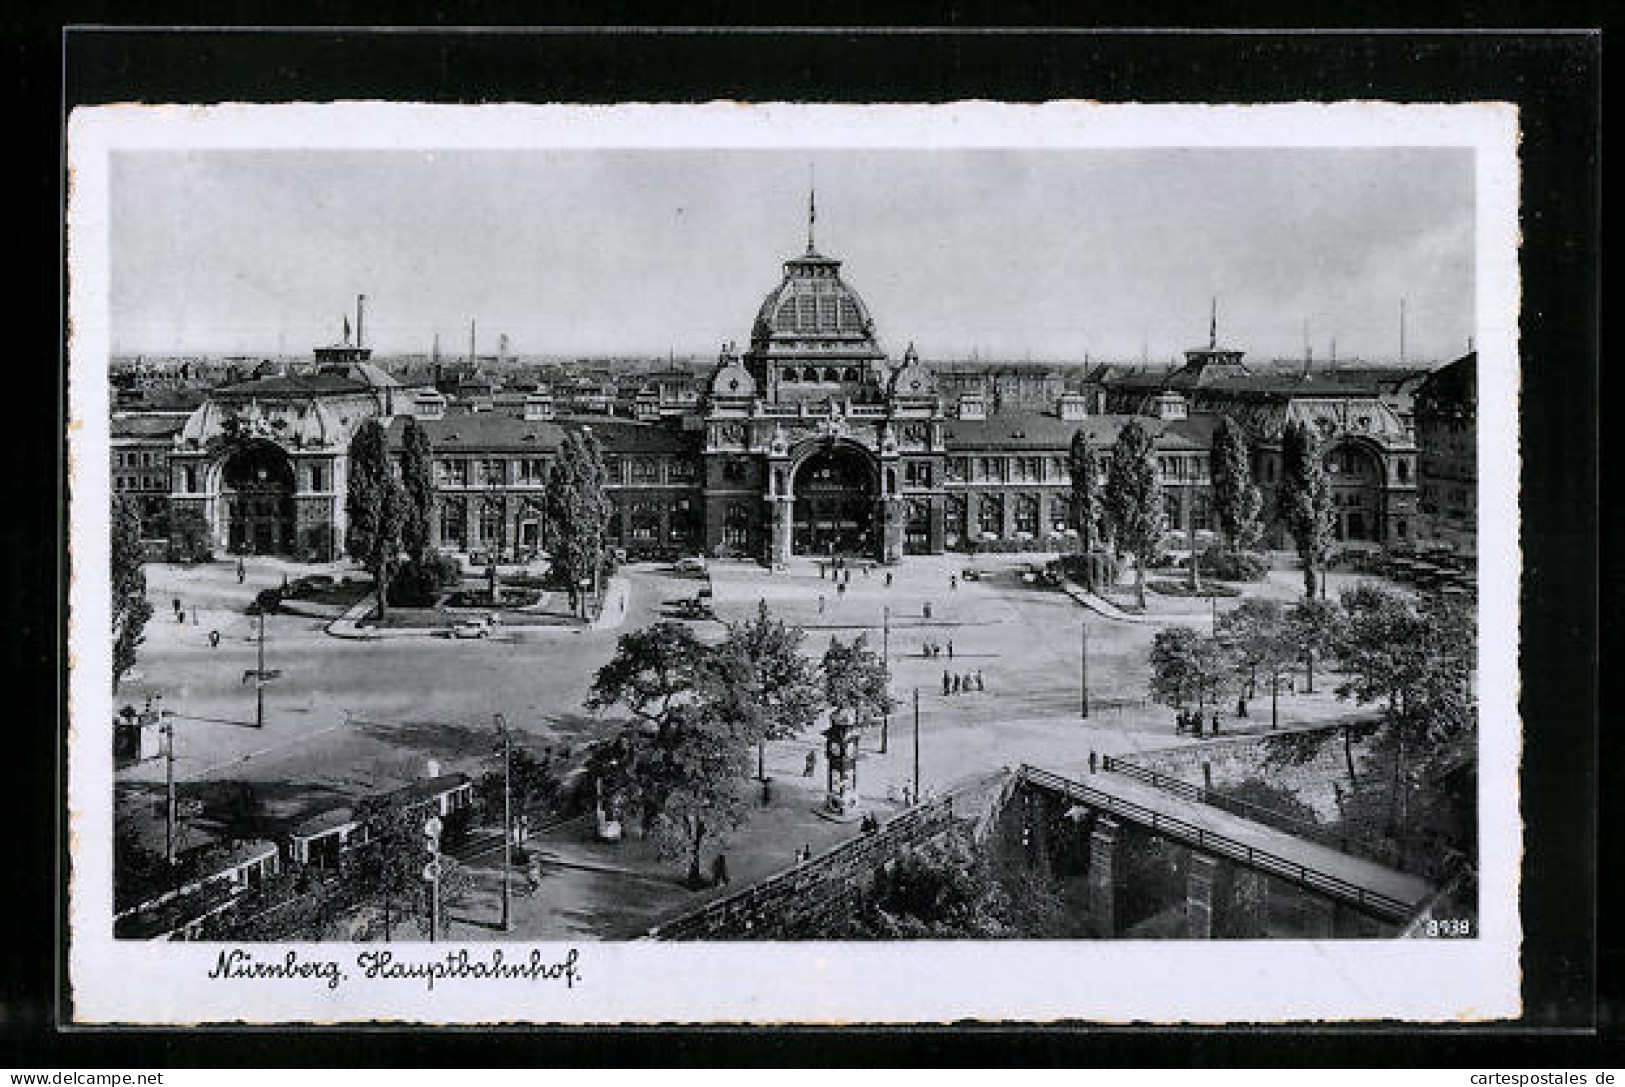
{"type": "Point", "coordinates": [471, 629]}
{"type": "Point", "coordinates": [693, 564]}
{"type": "Point", "coordinates": [970, 575]}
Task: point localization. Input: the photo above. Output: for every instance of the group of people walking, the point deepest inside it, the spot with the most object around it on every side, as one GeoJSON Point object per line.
{"type": "Point", "coordinates": [931, 649]}
{"type": "Point", "coordinates": [957, 683]}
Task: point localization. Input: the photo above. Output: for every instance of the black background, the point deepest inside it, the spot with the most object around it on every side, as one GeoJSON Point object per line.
{"type": "Point", "coordinates": [1556, 79]}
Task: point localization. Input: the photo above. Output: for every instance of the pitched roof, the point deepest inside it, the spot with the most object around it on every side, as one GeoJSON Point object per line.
{"type": "Point", "coordinates": [1037, 430]}
{"type": "Point", "coordinates": [502, 432]}
{"type": "Point", "coordinates": [294, 385]}
{"type": "Point", "coordinates": [147, 426]}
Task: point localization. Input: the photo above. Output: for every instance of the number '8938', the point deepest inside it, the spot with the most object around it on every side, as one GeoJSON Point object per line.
{"type": "Point", "coordinates": [1449, 926]}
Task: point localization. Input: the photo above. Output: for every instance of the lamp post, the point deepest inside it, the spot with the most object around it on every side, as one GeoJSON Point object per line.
{"type": "Point", "coordinates": [1083, 671]}
{"type": "Point", "coordinates": [916, 793]}
{"type": "Point", "coordinates": [507, 815]}
{"type": "Point", "coordinates": [885, 659]}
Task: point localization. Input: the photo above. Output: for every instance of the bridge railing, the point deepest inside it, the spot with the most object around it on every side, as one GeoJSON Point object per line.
{"type": "Point", "coordinates": [1220, 845]}
{"type": "Point", "coordinates": [1257, 813]}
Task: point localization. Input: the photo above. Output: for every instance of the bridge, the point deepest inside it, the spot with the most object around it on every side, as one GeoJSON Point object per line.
{"type": "Point", "coordinates": [1335, 893]}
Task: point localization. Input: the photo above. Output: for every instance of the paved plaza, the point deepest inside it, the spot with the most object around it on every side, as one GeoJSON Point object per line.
{"type": "Point", "coordinates": [350, 716]}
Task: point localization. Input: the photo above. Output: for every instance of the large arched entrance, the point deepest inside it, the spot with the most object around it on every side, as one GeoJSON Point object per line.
{"type": "Point", "coordinates": [1355, 473]}
{"type": "Point", "coordinates": [256, 489]}
{"type": "Point", "coordinates": [835, 503]}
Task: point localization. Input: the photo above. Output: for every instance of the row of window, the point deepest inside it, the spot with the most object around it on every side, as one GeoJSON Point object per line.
{"type": "Point", "coordinates": [794, 375]}
{"type": "Point", "coordinates": [141, 483]}
{"type": "Point", "coordinates": [532, 471]}
{"type": "Point", "coordinates": [131, 458]}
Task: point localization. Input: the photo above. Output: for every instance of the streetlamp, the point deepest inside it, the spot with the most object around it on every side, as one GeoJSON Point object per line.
{"type": "Point", "coordinates": [506, 740]}
{"type": "Point", "coordinates": [885, 659]}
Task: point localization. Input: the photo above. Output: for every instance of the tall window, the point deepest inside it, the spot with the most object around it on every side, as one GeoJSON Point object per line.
{"type": "Point", "coordinates": [645, 470]}
{"type": "Point", "coordinates": [491, 527]}
{"type": "Point", "coordinates": [736, 525]}
{"type": "Point", "coordinates": [493, 472]}
{"type": "Point", "coordinates": [451, 473]}
{"type": "Point", "coordinates": [1059, 514]}
{"type": "Point", "coordinates": [990, 515]}
{"type": "Point", "coordinates": [954, 526]}
{"type": "Point", "coordinates": [1026, 514]}
{"type": "Point", "coordinates": [453, 524]}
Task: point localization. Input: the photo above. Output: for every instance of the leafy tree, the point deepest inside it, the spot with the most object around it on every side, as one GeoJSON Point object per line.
{"type": "Point", "coordinates": [417, 483]}
{"type": "Point", "coordinates": [655, 671]}
{"type": "Point", "coordinates": [1187, 665]}
{"type": "Point", "coordinates": [130, 606]}
{"type": "Point", "coordinates": [533, 784]}
{"type": "Point", "coordinates": [1133, 500]}
{"type": "Point", "coordinates": [1236, 501]}
{"type": "Point", "coordinates": [578, 510]}
{"type": "Point", "coordinates": [1417, 660]}
{"type": "Point", "coordinates": [1315, 627]}
{"type": "Point", "coordinates": [856, 680]}
{"type": "Point", "coordinates": [1262, 640]}
{"type": "Point", "coordinates": [1082, 463]}
{"type": "Point", "coordinates": [689, 778]}
{"type": "Point", "coordinates": [761, 683]}
{"type": "Point", "coordinates": [376, 505]}
{"type": "Point", "coordinates": [1304, 500]}
{"type": "Point", "coordinates": [389, 866]}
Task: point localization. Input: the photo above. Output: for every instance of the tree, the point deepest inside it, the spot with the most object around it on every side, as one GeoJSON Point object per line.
{"type": "Point", "coordinates": [856, 682]}
{"type": "Point", "coordinates": [1261, 639]}
{"type": "Point", "coordinates": [1236, 500]}
{"type": "Point", "coordinates": [1187, 665]}
{"type": "Point", "coordinates": [389, 865]}
{"type": "Point", "coordinates": [130, 607]}
{"type": "Point", "coordinates": [376, 505]}
{"type": "Point", "coordinates": [1082, 463]}
{"type": "Point", "coordinates": [1416, 659]}
{"type": "Point", "coordinates": [655, 671]}
{"type": "Point", "coordinates": [417, 483]}
{"type": "Point", "coordinates": [1315, 625]}
{"type": "Point", "coordinates": [761, 683]}
{"type": "Point", "coordinates": [189, 538]}
{"type": "Point", "coordinates": [1133, 500]}
{"type": "Point", "coordinates": [532, 783]}
{"type": "Point", "coordinates": [578, 510]}
{"type": "Point", "coordinates": [1304, 501]}
{"type": "Point", "coordinates": [688, 778]}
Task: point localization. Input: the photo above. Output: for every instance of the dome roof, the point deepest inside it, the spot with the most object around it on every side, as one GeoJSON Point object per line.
{"type": "Point", "coordinates": [813, 302]}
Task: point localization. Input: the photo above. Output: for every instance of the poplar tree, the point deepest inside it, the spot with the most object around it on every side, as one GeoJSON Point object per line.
{"type": "Point", "coordinates": [1133, 499]}
{"type": "Point", "coordinates": [578, 510]}
{"type": "Point", "coordinates": [131, 609]}
{"type": "Point", "coordinates": [1236, 500]}
{"type": "Point", "coordinates": [1085, 498]}
{"type": "Point", "coordinates": [376, 504]}
{"type": "Point", "coordinates": [1305, 501]}
{"type": "Point", "coordinates": [417, 481]}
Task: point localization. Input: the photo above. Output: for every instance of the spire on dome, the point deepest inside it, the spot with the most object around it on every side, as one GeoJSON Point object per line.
{"type": "Point", "coordinates": [812, 208]}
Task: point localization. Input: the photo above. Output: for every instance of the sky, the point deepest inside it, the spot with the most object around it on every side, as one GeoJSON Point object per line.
{"type": "Point", "coordinates": [1048, 254]}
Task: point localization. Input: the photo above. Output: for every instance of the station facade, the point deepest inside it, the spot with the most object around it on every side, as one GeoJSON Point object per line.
{"type": "Point", "coordinates": [812, 440]}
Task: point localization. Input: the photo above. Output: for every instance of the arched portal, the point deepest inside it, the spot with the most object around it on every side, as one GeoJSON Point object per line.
{"type": "Point", "coordinates": [1355, 473]}
{"type": "Point", "coordinates": [256, 489]}
{"type": "Point", "coordinates": [835, 503]}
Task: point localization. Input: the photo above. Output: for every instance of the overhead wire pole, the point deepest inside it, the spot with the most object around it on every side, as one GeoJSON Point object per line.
{"type": "Point", "coordinates": [1083, 673]}
{"type": "Point", "coordinates": [916, 745]}
{"type": "Point", "coordinates": [885, 658]}
{"type": "Point", "coordinates": [507, 816]}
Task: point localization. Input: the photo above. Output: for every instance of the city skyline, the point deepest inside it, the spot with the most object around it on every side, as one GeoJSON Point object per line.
{"type": "Point", "coordinates": [1002, 254]}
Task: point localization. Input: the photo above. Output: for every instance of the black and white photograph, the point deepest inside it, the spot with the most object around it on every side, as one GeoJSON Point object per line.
{"type": "Point", "coordinates": [743, 548]}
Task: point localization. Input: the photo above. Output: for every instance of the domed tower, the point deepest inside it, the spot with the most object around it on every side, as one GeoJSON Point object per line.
{"type": "Point", "coordinates": [813, 338]}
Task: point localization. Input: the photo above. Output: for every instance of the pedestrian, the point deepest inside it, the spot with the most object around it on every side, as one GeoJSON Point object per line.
{"type": "Point", "coordinates": [840, 590]}
{"type": "Point", "coordinates": [925, 610]}
{"type": "Point", "coordinates": [846, 578]}
{"type": "Point", "coordinates": [950, 649]}
{"type": "Point", "coordinates": [888, 579]}
{"type": "Point", "coordinates": [958, 683]}
{"type": "Point", "coordinates": [953, 583]}
{"type": "Point", "coordinates": [1215, 724]}
{"type": "Point", "coordinates": [820, 569]}
{"type": "Point", "coordinates": [719, 870]}
{"type": "Point", "coordinates": [1091, 762]}
{"type": "Point", "coordinates": [867, 567]}
{"type": "Point", "coordinates": [947, 683]}
{"type": "Point", "coordinates": [806, 851]}
{"type": "Point", "coordinates": [177, 603]}
{"type": "Point", "coordinates": [980, 686]}
{"type": "Point", "coordinates": [1196, 724]}
{"type": "Point", "coordinates": [820, 603]}
{"type": "Point", "coordinates": [242, 572]}
{"type": "Point", "coordinates": [811, 766]}
{"type": "Point", "coordinates": [214, 639]}
{"type": "Point", "coordinates": [1241, 706]}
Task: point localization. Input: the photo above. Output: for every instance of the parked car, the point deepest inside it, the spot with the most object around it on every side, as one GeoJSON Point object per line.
{"type": "Point", "coordinates": [471, 629]}
{"type": "Point", "coordinates": [693, 564]}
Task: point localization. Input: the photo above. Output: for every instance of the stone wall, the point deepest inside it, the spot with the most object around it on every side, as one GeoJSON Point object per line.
{"type": "Point", "coordinates": [806, 898]}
